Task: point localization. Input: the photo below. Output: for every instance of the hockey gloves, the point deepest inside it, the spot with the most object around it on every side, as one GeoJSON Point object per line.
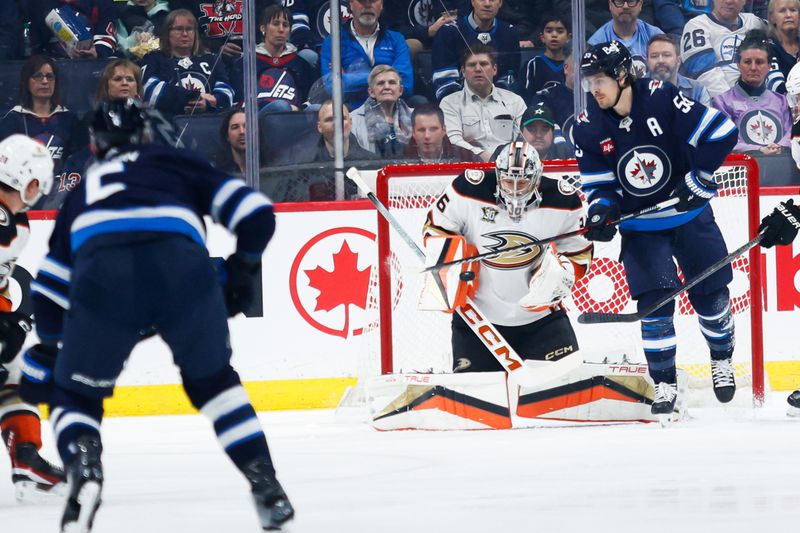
{"type": "Point", "coordinates": [550, 283]}
{"type": "Point", "coordinates": [780, 226]}
{"type": "Point", "coordinates": [14, 327]}
{"type": "Point", "coordinates": [241, 283]}
{"type": "Point", "coordinates": [694, 192]}
{"type": "Point", "coordinates": [601, 212]}
{"type": "Point", "coordinates": [36, 383]}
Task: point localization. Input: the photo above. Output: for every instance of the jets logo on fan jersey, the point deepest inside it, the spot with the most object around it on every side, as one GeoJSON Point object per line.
{"type": "Point", "coordinates": [420, 12]}
{"type": "Point", "coordinates": [644, 170]}
{"type": "Point", "coordinates": [515, 259]}
{"type": "Point", "coordinates": [760, 126]}
{"type": "Point", "coordinates": [323, 23]}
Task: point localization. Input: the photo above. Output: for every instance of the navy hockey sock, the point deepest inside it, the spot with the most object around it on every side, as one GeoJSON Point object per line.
{"type": "Point", "coordinates": [658, 339]}
{"type": "Point", "coordinates": [73, 416]}
{"type": "Point", "coordinates": [716, 323]}
{"type": "Point", "coordinates": [225, 402]}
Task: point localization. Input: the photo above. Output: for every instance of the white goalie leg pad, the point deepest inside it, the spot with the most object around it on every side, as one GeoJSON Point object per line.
{"type": "Point", "coordinates": [439, 401]}
{"type": "Point", "coordinates": [599, 393]}
{"type": "Point", "coordinates": [550, 283]}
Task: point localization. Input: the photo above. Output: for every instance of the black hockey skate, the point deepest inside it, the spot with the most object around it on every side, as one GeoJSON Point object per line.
{"type": "Point", "coordinates": [794, 403]}
{"type": "Point", "coordinates": [272, 504]}
{"type": "Point", "coordinates": [722, 374]}
{"type": "Point", "coordinates": [85, 474]}
{"type": "Point", "coordinates": [35, 479]}
{"type": "Point", "coordinates": [664, 401]}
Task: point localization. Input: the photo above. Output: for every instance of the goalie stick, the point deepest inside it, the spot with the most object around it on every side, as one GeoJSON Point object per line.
{"type": "Point", "coordinates": [474, 318]}
{"type": "Point", "coordinates": [605, 318]}
{"type": "Point", "coordinates": [493, 254]}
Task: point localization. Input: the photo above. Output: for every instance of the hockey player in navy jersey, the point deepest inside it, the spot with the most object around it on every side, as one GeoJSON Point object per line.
{"type": "Point", "coordinates": [638, 143]}
{"type": "Point", "coordinates": [127, 255]}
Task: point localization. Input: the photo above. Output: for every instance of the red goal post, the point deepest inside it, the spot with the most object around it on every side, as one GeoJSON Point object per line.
{"type": "Point", "coordinates": [408, 190]}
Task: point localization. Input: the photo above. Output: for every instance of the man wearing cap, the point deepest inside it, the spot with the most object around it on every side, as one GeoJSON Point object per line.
{"type": "Point", "coordinates": [539, 129]}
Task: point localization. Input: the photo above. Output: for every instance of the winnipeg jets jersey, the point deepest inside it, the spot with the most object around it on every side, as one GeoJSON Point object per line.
{"type": "Point", "coordinates": [638, 160]}
{"type": "Point", "coordinates": [708, 50]}
{"type": "Point", "coordinates": [468, 207]}
{"type": "Point", "coordinates": [762, 116]}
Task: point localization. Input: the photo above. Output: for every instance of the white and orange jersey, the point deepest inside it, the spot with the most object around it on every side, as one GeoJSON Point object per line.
{"type": "Point", "coordinates": [468, 207]}
{"type": "Point", "coordinates": [14, 233]}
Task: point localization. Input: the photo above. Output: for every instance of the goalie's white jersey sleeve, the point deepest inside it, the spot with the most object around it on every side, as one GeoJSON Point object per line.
{"type": "Point", "coordinates": [468, 207]}
{"type": "Point", "coordinates": [708, 50]}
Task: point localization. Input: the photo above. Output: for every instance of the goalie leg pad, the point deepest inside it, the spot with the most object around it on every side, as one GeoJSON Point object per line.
{"type": "Point", "coordinates": [439, 401]}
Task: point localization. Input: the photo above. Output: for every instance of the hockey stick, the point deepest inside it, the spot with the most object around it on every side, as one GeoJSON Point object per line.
{"type": "Point", "coordinates": [605, 318]}
{"type": "Point", "coordinates": [474, 318]}
{"type": "Point", "coordinates": [497, 253]}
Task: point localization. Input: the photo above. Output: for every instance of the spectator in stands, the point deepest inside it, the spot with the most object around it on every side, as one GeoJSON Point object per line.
{"type": "Point", "coordinates": [120, 79]}
{"type": "Point", "coordinates": [10, 30]}
{"type": "Point", "coordinates": [626, 28]}
{"type": "Point", "coordinates": [383, 124]}
{"type": "Point", "coordinates": [762, 116]}
{"type": "Point", "coordinates": [182, 77]}
{"type": "Point", "coordinates": [784, 21]}
{"type": "Point", "coordinates": [665, 14]}
{"type": "Point", "coordinates": [284, 78]}
{"type": "Point", "coordinates": [525, 15]}
{"type": "Point", "coordinates": [540, 130]}
{"type": "Point", "coordinates": [420, 20]}
{"type": "Point", "coordinates": [709, 43]}
{"type": "Point", "coordinates": [662, 64]}
{"type": "Point", "coordinates": [481, 116]}
{"type": "Point", "coordinates": [479, 27]}
{"type": "Point", "coordinates": [232, 130]}
{"type": "Point", "coordinates": [39, 114]}
{"type": "Point", "coordinates": [98, 16]}
{"type": "Point", "coordinates": [560, 98]}
{"type": "Point", "coordinates": [366, 44]}
{"type": "Point", "coordinates": [139, 25]}
{"type": "Point", "coordinates": [548, 69]}
{"type": "Point", "coordinates": [322, 150]}
{"type": "Point", "coordinates": [220, 24]}
{"type": "Point", "coordinates": [429, 142]}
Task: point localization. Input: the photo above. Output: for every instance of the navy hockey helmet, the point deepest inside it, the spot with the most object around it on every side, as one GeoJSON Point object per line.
{"type": "Point", "coordinates": [611, 58]}
{"type": "Point", "coordinates": [119, 122]}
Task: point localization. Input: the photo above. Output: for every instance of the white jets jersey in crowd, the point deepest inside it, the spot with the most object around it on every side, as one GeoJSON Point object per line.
{"type": "Point", "coordinates": [468, 207]}
{"type": "Point", "coordinates": [708, 50]}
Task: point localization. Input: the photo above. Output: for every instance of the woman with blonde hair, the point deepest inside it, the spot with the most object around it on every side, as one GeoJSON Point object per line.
{"type": "Point", "coordinates": [784, 33]}
{"type": "Point", "coordinates": [181, 77]}
{"type": "Point", "coordinates": [122, 78]}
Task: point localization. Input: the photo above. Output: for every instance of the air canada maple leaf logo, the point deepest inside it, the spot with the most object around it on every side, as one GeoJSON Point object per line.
{"type": "Point", "coordinates": [329, 280]}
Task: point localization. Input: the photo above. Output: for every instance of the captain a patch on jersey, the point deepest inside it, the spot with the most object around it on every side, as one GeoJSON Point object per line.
{"type": "Point", "coordinates": [644, 170]}
{"type": "Point", "coordinates": [760, 126]}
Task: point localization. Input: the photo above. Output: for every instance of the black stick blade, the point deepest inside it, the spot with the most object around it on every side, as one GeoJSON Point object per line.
{"type": "Point", "coordinates": [607, 318]}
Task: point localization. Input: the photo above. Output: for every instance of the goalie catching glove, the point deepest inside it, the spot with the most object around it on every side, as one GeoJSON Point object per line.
{"type": "Point", "coordinates": [550, 283]}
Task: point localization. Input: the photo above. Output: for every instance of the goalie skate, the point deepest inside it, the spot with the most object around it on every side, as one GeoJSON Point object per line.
{"type": "Point", "coordinates": [85, 474]}
{"type": "Point", "coordinates": [722, 374]}
{"type": "Point", "coordinates": [35, 479]}
{"type": "Point", "coordinates": [272, 504]}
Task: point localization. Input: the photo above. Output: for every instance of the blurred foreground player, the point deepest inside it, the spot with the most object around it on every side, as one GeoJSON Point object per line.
{"type": "Point", "coordinates": [26, 173]}
{"type": "Point", "coordinates": [638, 143]}
{"type": "Point", "coordinates": [127, 255]}
{"type": "Point", "coordinates": [780, 227]}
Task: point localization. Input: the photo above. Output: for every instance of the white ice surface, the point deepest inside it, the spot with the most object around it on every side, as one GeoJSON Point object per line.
{"type": "Point", "coordinates": [724, 471]}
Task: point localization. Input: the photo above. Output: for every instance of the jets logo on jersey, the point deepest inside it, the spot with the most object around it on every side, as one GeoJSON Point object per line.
{"type": "Point", "coordinates": [760, 126]}
{"type": "Point", "coordinates": [728, 47]}
{"type": "Point", "coordinates": [515, 259]}
{"type": "Point", "coordinates": [222, 17]}
{"type": "Point", "coordinates": [53, 143]}
{"type": "Point", "coordinates": [644, 170]}
{"type": "Point", "coordinates": [489, 214]}
{"type": "Point", "coordinates": [193, 81]}
{"type": "Point", "coordinates": [639, 66]}
{"type": "Point", "coordinates": [323, 23]}
{"type": "Point", "coordinates": [277, 84]}
{"type": "Point", "coordinates": [420, 12]}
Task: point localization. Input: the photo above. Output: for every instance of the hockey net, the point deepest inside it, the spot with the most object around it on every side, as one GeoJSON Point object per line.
{"type": "Point", "coordinates": [412, 340]}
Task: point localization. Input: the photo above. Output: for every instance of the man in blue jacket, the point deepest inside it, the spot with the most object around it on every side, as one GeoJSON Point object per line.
{"type": "Point", "coordinates": [364, 45]}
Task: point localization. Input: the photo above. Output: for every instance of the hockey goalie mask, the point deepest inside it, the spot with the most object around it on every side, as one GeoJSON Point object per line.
{"type": "Point", "coordinates": [519, 171]}
{"type": "Point", "coordinates": [23, 160]}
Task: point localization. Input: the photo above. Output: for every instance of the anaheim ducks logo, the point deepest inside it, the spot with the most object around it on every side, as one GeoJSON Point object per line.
{"type": "Point", "coordinates": [515, 259]}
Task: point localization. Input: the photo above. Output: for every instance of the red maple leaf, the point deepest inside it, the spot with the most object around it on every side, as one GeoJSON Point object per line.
{"type": "Point", "coordinates": [344, 285]}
